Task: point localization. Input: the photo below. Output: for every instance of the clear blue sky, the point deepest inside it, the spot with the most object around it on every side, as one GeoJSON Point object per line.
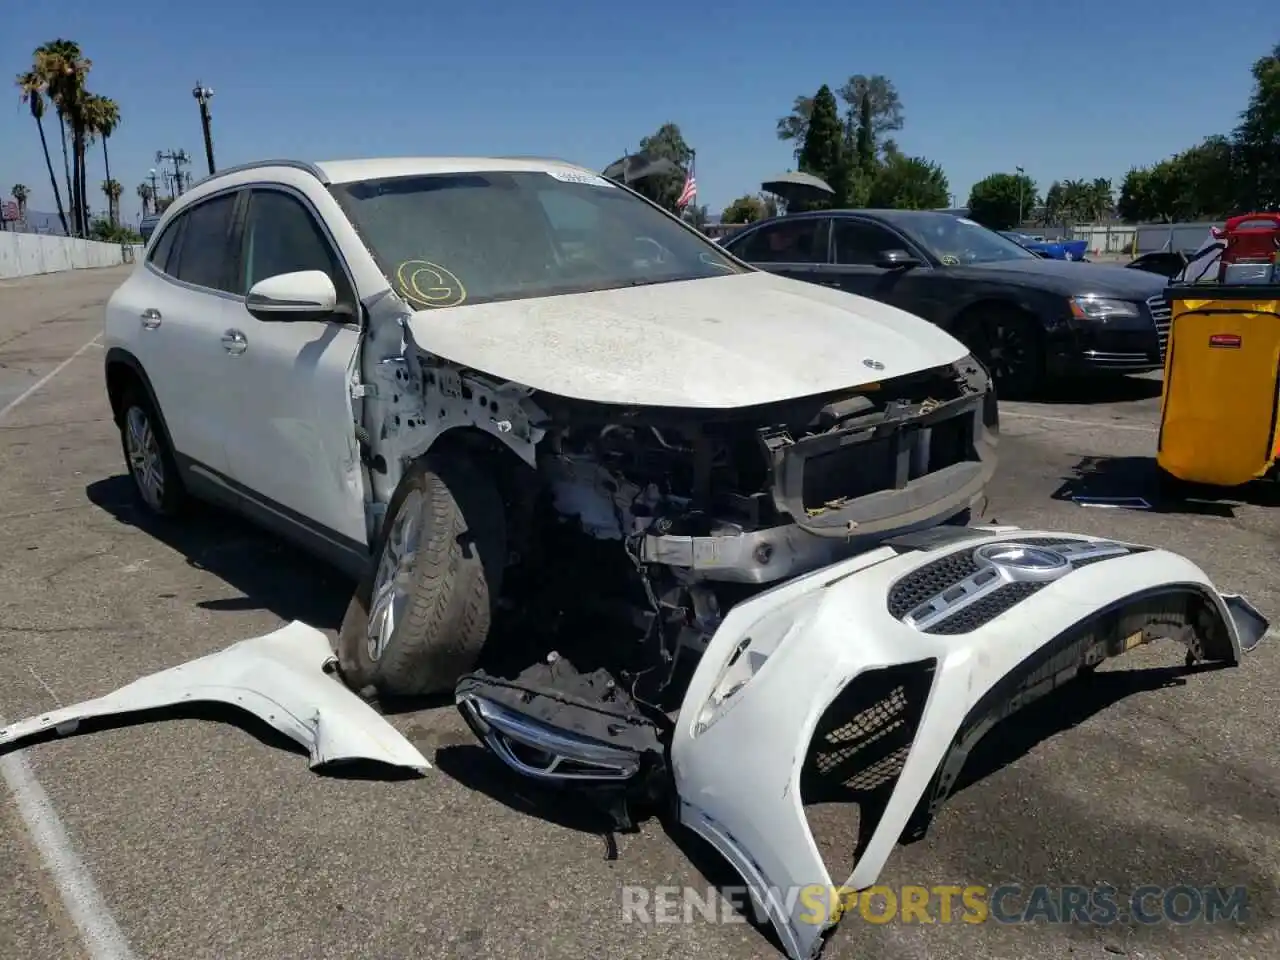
{"type": "Point", "coordinates": [1064, 90]}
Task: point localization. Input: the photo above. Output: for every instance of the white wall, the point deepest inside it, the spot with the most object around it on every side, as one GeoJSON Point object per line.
{"type": "Point", "coordinates": [28, 254]}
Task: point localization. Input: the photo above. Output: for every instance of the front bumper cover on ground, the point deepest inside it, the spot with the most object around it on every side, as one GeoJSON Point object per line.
{"type": "Point", "coordinates": [921, 646]}
{"type": "Point", "coordinates": [282, 678]}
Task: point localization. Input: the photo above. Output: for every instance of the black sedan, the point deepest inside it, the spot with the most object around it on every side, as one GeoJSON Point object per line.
{"type": "Point", "coordinates": [1027, 318]}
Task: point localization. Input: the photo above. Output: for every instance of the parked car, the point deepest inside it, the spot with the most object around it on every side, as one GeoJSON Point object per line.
{"type": "Point", "coordinates": [147, 226]}
{"type": "Point", "coordinates": [1049, 249]}
{"type": "Point", "coordinates": [687, 510]}
{"type": "Point", "coordinates": [1028, 319]}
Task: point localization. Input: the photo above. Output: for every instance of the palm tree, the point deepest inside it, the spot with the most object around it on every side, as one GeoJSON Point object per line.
{"type": "Point", "coordinates": [66, 68]}
{"type": "Point", "coordinates": [20, 194]}
{"type": "Point", "coordinates": [103, 116]}
{"type": "Point", "coordinates": [32, 87]}
{"type": "Point", "coordinates": [144, 193]}
{"type": "Point", "coordinates": [113, 190]}
{"type": "Point", "coordinates": [1101, 198]}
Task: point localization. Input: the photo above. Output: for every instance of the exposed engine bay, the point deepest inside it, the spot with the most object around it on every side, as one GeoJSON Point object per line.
{"type": "Point", "coordinates": [651, 525]}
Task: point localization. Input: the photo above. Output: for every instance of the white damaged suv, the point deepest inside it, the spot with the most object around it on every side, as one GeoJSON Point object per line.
{"type": "Point", "coordinates": [690, 512]}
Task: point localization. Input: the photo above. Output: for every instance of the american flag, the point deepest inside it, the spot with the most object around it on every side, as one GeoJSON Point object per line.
{"type": "Point", "coordinates": [690, 188]}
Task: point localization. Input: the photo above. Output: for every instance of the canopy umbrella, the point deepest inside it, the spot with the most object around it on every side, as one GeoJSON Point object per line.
{"type": "Point", "coordinates": [795, 187]}
{"type": "Point", "coordinates": [640, 166]}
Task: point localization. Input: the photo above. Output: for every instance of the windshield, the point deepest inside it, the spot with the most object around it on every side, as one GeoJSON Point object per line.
{"type": "Point", "coordinates": [955, 240]}
{"type": "Point", "coordinates": [446, 240]}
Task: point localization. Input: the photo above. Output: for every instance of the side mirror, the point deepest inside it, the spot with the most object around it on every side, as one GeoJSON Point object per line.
{"type": "Point", "coordinates": [897, 260]}
{"type": "Point", "coordinates": [305, 295]}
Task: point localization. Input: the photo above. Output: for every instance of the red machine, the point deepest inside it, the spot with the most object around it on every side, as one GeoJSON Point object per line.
{"type": "Point", "coordinates": [1250, 238]}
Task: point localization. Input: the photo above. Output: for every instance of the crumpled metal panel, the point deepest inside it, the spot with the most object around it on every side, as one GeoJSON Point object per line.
{"type": "Point", "coordinates": [280, 678]}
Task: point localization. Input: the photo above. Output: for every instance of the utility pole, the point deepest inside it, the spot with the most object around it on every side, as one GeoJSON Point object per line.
{"type": "Point", "coordinates": [203, 95]}
{"type": "Point", "coordinates": [1020, 184]}
{"type": "Point", "coordinates": [179, 159]}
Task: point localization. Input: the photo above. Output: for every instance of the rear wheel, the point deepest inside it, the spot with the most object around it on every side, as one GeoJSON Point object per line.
{"type": "Point", "coordinates": [1009, 344]}
{"type": "Point", "coordinates": [419, 619]}
{"type": "Point", "coordinates": [151, 464]}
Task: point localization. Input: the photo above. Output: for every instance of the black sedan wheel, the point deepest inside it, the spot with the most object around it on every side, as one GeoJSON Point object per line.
{"type": "Point", "coordinates": [1009, 345]}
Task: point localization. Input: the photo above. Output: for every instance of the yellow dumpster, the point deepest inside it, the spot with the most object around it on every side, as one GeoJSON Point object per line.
{"type": "Point", "coordinates": [1218, 409]}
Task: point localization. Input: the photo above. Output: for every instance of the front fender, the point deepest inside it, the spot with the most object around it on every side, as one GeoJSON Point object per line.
{"type": "Point", "coordinates": [932, 652]}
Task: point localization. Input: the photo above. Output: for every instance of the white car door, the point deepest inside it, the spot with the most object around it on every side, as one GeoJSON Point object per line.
{"type": "Point", "coordinates": [177, 306]}
{"type": "Point", "coordinates": [294, 445]}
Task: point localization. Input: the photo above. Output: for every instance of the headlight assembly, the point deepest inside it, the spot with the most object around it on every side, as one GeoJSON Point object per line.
{"type": "Point", "coordinates": [1101, 308]}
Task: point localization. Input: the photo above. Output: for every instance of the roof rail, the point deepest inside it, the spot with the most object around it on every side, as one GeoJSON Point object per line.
{"type": "Point", "coordinates": [302, 165]}
{"type": "Point", "coordinates": [535, 157]}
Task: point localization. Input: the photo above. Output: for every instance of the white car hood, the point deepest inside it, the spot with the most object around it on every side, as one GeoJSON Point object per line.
{"type": "Point", "coordinates": [721, 342]}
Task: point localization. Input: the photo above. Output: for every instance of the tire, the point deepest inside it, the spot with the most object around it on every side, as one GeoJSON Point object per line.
{"type": "Point", "coordinates": [157, 485]}
{"type": "Point", "coordinates": [1010, 344]}
{"type": "Point", "coordinates": [449, 514]}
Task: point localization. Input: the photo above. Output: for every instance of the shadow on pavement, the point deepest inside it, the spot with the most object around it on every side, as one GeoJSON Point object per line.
{"type": "Point", "coordinates": [1099, 390]}
{"type": "Point", "coordinates": [477, 769]}
{"type": "Point", "coordinates": [1108, 477]}
{"type": "Point", "coordinates": [271, 574]}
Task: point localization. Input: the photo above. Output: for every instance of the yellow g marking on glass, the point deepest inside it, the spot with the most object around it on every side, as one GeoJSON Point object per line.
{"type": "Point", "coordinates": [949, 261]}
{"type": "Point", "coordinates": [428, 284]}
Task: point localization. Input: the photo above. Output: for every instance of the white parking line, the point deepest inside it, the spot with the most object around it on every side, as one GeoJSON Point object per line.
{"type": "Point", "coordinates": [46, 378]}
{"type": "Point", "coordinates": [98, 928]}
{"type": "Point", "coordinates": [80, 895]}
{"type": "Point", "coordinates": [1100, 424]}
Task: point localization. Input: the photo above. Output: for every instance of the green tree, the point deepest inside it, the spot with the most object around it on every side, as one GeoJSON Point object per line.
{"type": "Point", "coordinates": [144, 194]}
{"type": "Point", "coordinates": [667, 143]}
{"type": "Point", "coordinates": [823, 150]}
{"type": "Point", "coordinates": [909, 183]}
{"type": "Point", "coordinates": [795, 125]}
{"type": "Point", "coordinates": [1257, 139]}
{"type": "Point", "coordinates": [33, 87]}
{"type": "Point", "coordinates": [1101, 199]}
{"type": "Point", "coordinates": [66, 70]}
{"type": "Point", "coordinates": [873, 109]}
{"type": "Point", "coordinates": [113, 190]}
{"type": "Point", "coordinates": [102, 117]}
{"type": "Point", "coordinates": [1051, 212]}
{"type": "Point", "coordinates": [997, 200]}
{"type": "Point", "coordinates": [1134, 204]}
{"type": "Point", "coordinates": [746, 209]}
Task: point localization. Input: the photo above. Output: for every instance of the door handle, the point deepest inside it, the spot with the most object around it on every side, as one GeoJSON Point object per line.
{"type": "Point", "coordinates": [234, 342]}
{"type": "Point", "coordinates": [150, 318]}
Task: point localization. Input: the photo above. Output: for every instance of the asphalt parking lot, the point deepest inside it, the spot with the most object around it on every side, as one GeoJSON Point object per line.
{"type": "Point", "coordinates": [198, 838]}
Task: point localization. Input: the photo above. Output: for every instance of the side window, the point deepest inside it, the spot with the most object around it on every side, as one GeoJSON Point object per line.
{"type": "Point", "coordinates": [205, 255]}
{"type": "Point", "coordinates": [281, 236]}
{"type": "Point", "coordinates": [860, 243]}
{"type": "Point", "coordinates": [794, 241]}
{"type": "Point", "coordinates": [164, 246]}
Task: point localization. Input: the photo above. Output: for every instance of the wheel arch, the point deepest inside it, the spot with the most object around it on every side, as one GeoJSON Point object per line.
{"type": "Point", "coordinates": [124, 370]}
{"type": "Point", "coordinates": [989, 304]}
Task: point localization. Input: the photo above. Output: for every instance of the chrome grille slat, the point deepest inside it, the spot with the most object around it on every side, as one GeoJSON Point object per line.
{"type": "Point", "coordinates": [1162, 317]}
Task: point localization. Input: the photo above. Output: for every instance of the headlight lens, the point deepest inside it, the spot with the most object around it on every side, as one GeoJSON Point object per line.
{"type": "Point", "coordinates": [1100, 308]}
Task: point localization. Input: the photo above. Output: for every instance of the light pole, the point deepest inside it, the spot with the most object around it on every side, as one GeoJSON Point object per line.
{"type": "Point", "coordinates": [203, 95]}
{"type": "Point", "coordinates": [155, 189]}
{"type": "Point", "coordinates": [1020, 184]}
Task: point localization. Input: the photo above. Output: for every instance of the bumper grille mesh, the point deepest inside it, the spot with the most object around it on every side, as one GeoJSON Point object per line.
{"type": "Point", "coordinates": [947, 573]}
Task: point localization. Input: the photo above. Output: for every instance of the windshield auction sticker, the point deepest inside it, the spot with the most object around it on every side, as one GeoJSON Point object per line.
{"type": "Point", "coordinates": [575, 176]}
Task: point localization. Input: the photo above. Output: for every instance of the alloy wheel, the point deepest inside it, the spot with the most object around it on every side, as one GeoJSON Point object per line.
{"type": "Point", "coordinates": [392, 586]}
{"type": "Point", "coordinates": [145, 460]}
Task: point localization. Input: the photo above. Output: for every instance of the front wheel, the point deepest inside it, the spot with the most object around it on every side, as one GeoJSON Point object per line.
{"type": "Point", "coordinates": [1009, 344]}
{"type": "Point", "coordinates": [420, 618]}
